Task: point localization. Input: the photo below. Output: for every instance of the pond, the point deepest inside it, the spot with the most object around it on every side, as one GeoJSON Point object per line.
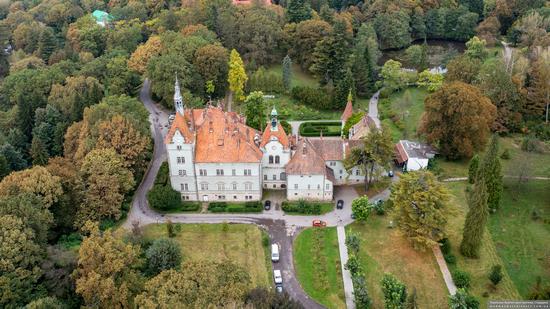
{"type": "Point", "coordinates": [438, 52]}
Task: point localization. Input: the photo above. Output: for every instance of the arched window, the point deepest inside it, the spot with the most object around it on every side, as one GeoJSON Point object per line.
{"type": "Point", "coordinates": [277, 160]}
{"type": "Point", "coordinates": [270, 159]}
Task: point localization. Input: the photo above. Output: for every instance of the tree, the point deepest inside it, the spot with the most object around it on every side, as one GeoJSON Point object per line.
{"type": "Point", "coordinates": [262, 298]}
{"type": "Point", "coordinates": [395, 292]}
{"type": "Point", "coordinates": [361, 208]}
{"type": "Point", "coordinates": [463, 300]}
{"type": "Point", "coordinates": [417, 57]}
{"type": "Point", "coordinates": [344, 90]}
{"type": "Point", "coordinates": [496, 274]}
{"type": "Point", "coordinates": [458, 119]}
{"type": "Point", "coordinates": [202, 284]}
{"type": "Point", "coordinates": [161, 70]}
{"type": "Point", "coordinates": [303, 38]}
{"type": "Point", "coordinates": [86, 35]}
{"type": "Point", "coordinates": [393, 77]}
{"type": "Point", "coordinates": [106, 274]}
{"type": "Point", "coordinates": [144, 52]}
{"type": "Point", "coordinates": [538, 95]}
{"type": "Point", "coordinates": [120, 79]}
{"type": "Point", "coordinates": [39, 153]}
{"type": "Point", "coordinates": [255, 110]}
{"type": "Point", "coordinates": [45, 303]}
{"type": "Point", "coordinates": [489, 30]}
{"type": "Point", "coordinates": [237, 76]}
{"type": "Point", "coordinates": [163, 197]}
{"type": "Point", "coordinates": [476, 219]}
{"type": "Point", "coordinates": [372, 156]}
{"type": "Point", "coordinates": [393, 29]}
{"type": "Point", "coordinates": [78, 93]}
{"type": "Point", "coordinates": [106, 180]}
{"type": "Point", "coordinates": [475, 48]}
{"type": "Point", "coordinates": [473, 169]}
{"type": "Point", "coordinates": [431, 81]}
{"type": "Point", "coordinates": [47, 43]}
{"type": "Point", "coordinates": [463, 68]}
{"type": "Point", "coordinates": [21, 257]}
{"type": "Point", "coordinates": [36, 181]}
{"type": "Point", "coordinates": [363, 68]}
{"type": "Point", "coordinates": [125, 35]}
{"type": "Point", "coordinates": [287, 73]}
{"type": "Point", "coordinates": [331, 54]}
{"type": "Point", "coordinates": [163, 254]}
{"type": "Point", "coordinates": [297, 11]}
{"type": "Point", "coordinates": [211, 61]}
{"type": "Point", "coordinates": [492, 172]}
{"type": "Point", "coordinates": [419, 208]}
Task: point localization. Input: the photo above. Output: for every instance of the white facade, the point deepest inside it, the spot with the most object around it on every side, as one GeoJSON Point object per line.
{"type": "Point", "coordinates": [415, 164]}
{"type": "Point", "coordinates": [274, 160]}
{"type": "Point", "coordinates": [309, 187]}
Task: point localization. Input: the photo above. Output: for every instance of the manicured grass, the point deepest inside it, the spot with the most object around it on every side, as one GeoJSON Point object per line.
{"type": "Point", "coordinates": [385, 250]}
{"type": "Point", "coordinates": [402, 116]}
{"type": "Point", "coordinates": [489, 255]}
{"type": "Point", "coordinates": [522, 242]}
{"type": "Point", "coordinates": [317, 264]}
{"type": "Point", "coordinates": [299, 77]}
{"type": "Point", "coordinates": [290, 109]}
{"type": "Point", "coordinates": [240, 243]}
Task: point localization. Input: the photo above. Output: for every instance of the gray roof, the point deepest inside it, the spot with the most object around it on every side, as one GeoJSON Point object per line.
{"type": "Point", "coordinates": [418, 149]}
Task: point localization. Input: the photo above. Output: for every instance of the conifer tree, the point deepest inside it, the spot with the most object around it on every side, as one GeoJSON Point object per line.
{"type": "Point", "coordinates": [492, 172]}
{"type": "Point", "coordinates": [473, 169]}
{"type": "Point", "coordinates": [39, 152]}
{"type": "Point", "coordinates": [361, 64]}
{"type": "Point", "coordinates": [237, 75]}
{"type": "Point", "coordinates": [474, 226]}
{"type": "Point", "coordinates": [343, 88]}
{"type": "Point", "coordinates": [538, 97]}
{"type": "Point", "coordinates": [287, 73]}
{"type": "Point", "coordinates": [46, 44]}
{"type": "Point", "coordinates": [298, 10]}
{"type": "Point", "coordinates": [331, 55]}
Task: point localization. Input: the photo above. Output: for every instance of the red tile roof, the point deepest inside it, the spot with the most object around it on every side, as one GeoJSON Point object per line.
{"type": "Point", "coordinates": [306, 160]}
{"type": "Point", "coordinates": [329, 149]}
{"type": "Point", "coordinates": [279, 134]}
{"type": "Point", "coordinates": [400, 153]}
{"type": "Point", "coordinates": [348, 111]}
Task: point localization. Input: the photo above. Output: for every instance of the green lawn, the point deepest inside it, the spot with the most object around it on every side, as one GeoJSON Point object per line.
{"type": "Point", "coordinates": [299, 77]}
{"type": "Point", "coordinates": [318, 128]}
{"type": "Point", "coordinates": [489, 255]}
{"type": "Point", "coordinates": [402, 110]}
{"type": "Point", "coordinates": [521, 242]}
{"type": "Point", "coordinates": [386, 250]}
{"type": "Point", "coordinates": [240, 243]}
{"type": "Point", "coordinates": [317, 264]}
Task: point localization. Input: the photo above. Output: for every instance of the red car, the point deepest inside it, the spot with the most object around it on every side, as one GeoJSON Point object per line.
{"type": "Point", "coordinates": [319, 223]}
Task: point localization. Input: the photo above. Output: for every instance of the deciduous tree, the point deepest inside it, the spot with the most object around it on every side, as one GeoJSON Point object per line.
{"type": "Point", "coordinates": [395, 292]}
{"type": "Point", "coordinates": [361, 208]}
{"type": "Point", "coordinates": [255, 110]}
{"type": "Point", "coordinates": [237, 76]}
{"type": "Point", "coordinates": [419, 208]}
{"type": "Point", "coordinates": [37, 181]}
{"type": "Point", "coordinates": [458, 119]}
{"type": "Point", "coordinates": [76, 94]}
{"type": "Point", "coordinates": [144, 52]}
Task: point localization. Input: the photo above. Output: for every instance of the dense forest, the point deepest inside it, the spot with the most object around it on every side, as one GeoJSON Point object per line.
{"type": "Point", "coordinates": [75, 141]}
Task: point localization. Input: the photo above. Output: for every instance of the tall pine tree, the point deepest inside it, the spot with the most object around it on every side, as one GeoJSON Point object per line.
{"type": "Point", "coordinates": [492, 172]}
{"type": "Point", "coordinates": [47, 43]}
{"type": "Point", "coordinates": [344, 88]}
{"type": "Point", "coordinates": [362, 68]}
{"type": "Point", "coordinates": [287, 73]}
{"type": "Point", "coordinates": [298, 10]}
{"type": "Point", "coordinates": [473, 169]}
{"type": "Point", "coordinates": [331, 55]}
{"type": "Point", "coordinates": [476, 219]}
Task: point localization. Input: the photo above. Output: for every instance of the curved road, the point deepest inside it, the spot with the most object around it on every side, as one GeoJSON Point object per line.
{"type": "Point", "coordinates": [282, 229]}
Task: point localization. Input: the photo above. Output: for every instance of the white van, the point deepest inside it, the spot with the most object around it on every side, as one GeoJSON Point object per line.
{"type": "Point", "coordinates": [275, 253]}
{"type": "Point", "coordinates": [278, 278]}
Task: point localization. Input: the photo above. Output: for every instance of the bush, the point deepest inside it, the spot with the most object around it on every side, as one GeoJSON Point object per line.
{"type": "Point", "coordinates": [268, 82]}
{"type": "Point", "coordinates": [163, 197]}
{"type": "Point", "coordinates": [353, 242]}
{"type": "Point", "coordinates": [163, 254]}
{"type": "Point", "coordinates": [315, 128]}
{"type": "Point", "coordinates": [313, 97]}
{"type": "Point", "coordinates": [302, 207]}
{"type": "Point", "coordinates": [445, 245]}
{"type": "Point", "coordinates": [217, 207]}
{"type": "Point", "coordinates": [450, 258]}
{"type": "Point", "coordinates": [379, 208]}
{"type": "Point", "coordinates": [496, 274]}
{"type": "Point", "coordinates": [353, 265]}
{"type": "Point", "coordinates": [506, 155]}
{"type": "Point", "coordinates": [190, 206]}
{"type": "Point", "coordinates": [163, 175]}
{"type": "Point", "coordinates": [461, 278]}
{"type": "Point", "coordinates": [255, 206]}
{"type": "Point", "coordinates": [360, 292]}
{"type": "Point", "coordinates": [532, 144]}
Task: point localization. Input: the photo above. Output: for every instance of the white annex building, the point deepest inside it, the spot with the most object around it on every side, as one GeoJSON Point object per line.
{"type": "Point", "coordinates": [214, 156]}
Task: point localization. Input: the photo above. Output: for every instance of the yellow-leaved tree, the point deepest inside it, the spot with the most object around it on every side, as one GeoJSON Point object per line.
{"type": "Point", "coordinates": [36, 180]}
{"type": "Point", "coordinates": [237, 76]}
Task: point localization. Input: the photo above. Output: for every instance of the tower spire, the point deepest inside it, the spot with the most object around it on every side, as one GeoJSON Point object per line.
{"type": "Point", "coordinates": [274, 115]}
{"type": "Point", "coordinates": [178, 100]}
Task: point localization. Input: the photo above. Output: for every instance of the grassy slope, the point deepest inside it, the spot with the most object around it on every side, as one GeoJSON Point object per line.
{"type": "Point", "coordinates": [524, 244]}
{"type": "Point", "coordinates": [411, 119]}
{"type": "Point", "coordinates": [478, 268]}
{"type": "Point", "coordinates": [384, 250]}
{"type": "Point", "coordinates": [241, 243]}
{"type": "Point", "coordinates": [318, 269]}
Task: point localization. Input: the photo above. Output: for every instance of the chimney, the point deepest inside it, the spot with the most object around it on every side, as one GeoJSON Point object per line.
{"type": "Point", "coordinates": [210, 128]}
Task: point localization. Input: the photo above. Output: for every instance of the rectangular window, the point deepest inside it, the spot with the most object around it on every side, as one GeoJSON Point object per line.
{"type": "Point", "coordinates": [327, 186]}
{"type": "Point", "coordinates": [221, 187]}
{"type": "Point", "coordinates": [309, 187]}
{"type": "Point", "coordinates": [357, 172]}
{"type": "Point", "coordinates": [219, 172]}
{"type": "Point", "coordinates": [204, 186]}
{"type": "Point", "coordinates": [248, 186]}
{"type": "Point", "coordinates": [221, 197]}
{"type": "Point", "coordinates": [274, 177]}
{"type": "Point", "coordinates": [265, 177]}
{"type": "Point", "coordinates": [181, 160]}
{"type": "Point", "coordinates": [233, 172]}
{"type": "Point", "coordinates": [234, 186]}
{"type": "Point", "coordinates": [341, 172]}
{"type": "Point", "coordinates": [318, 187]}
{"type": "Point", "coordinates": [182, 172]}
{"type": "Point", "coordinates": [295, 186]}
{"type": "Point", "coordinates": [247, 172]}
{"type": "Point", "coordinates": [202, 172]}
{"type": "Point", "coordinates": [179, 147]}
{"type": "Point", "coordinates": [184, 187]}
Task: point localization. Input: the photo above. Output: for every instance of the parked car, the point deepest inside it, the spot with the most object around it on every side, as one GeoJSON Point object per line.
{"type": "Point", "coordinates": [353, 215]}
{"type": "Point", "coordinates": [278, 277]}
{"type": "Point", "coordinates": [267, 205]}
{"type": "Point", "coordinates": [390, 173]}
{"type": "Point", "coordinates": [279, 288]}
{"type": "Point", "coordinates": [275, 252]}
{"type": "Point", "coordinates": [340, 204]}
{"type": "Point", "coordinates": [319, 223]}
{"type": "Point", "coordinates": [378, 202]}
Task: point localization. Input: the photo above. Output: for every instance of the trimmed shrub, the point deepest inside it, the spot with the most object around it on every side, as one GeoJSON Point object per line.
{"type": "Point", "coordinates": [163, 198]}
{"type": "Point", "coordinates": [315, 128]}
{"type": "Point", "coordinates": [353, 265]}
{"type": "Point", "coordinates": [302, 207]}
{"type": "Point", "coordinates": [255, 206]}
{"type": "Point", "coordinates": [217, 207]}
{"type": "Point", "coordinates": [450, 258]}
{"type": "Point", "coordinates": [496, 274]}
{"type": "Point", "coordinates": [445, 246]}
{"type": "Point", "coordinates": [461, 278]}
{"type": "Point", "coordinates": [163, 175]}
{"type": "Point", "coordinates": [190, 206]}
{"type": "Point", "coordinates": [313, 97]}
{"type": "Point", "coordinates": [163, 254]}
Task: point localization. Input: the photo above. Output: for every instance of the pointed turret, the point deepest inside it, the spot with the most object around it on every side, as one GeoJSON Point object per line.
{"type": "Point", "coordinates": [178, 100]}
{"type": "Point", "coordinates": [274, 126]}
{"type": "Point", "coordinates": [348, 111]}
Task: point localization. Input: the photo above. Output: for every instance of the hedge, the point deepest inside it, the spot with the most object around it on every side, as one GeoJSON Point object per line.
{"type": "Point", "coordinates": [313, 97]}
{"type": "Point", "coordinates": [253, 206]}
{"type": "Point", "coordinates": [302, 207]}
{"type": "Point", "coordinates": [163, 198]}
{"type": "Point", "coordinates": [315, 128]}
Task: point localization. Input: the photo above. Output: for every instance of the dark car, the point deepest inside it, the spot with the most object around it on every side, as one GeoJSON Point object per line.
{"type": "Point", "coordinates": [267, 205]}
{"type": "Point", "coordinates": [340, 204]}
{"type": "Point", "coordinates": [390, 173]}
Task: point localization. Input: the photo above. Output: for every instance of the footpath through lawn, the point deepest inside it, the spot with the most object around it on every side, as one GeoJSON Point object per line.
{"type": "Point", "coordinates": [317, 264]}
